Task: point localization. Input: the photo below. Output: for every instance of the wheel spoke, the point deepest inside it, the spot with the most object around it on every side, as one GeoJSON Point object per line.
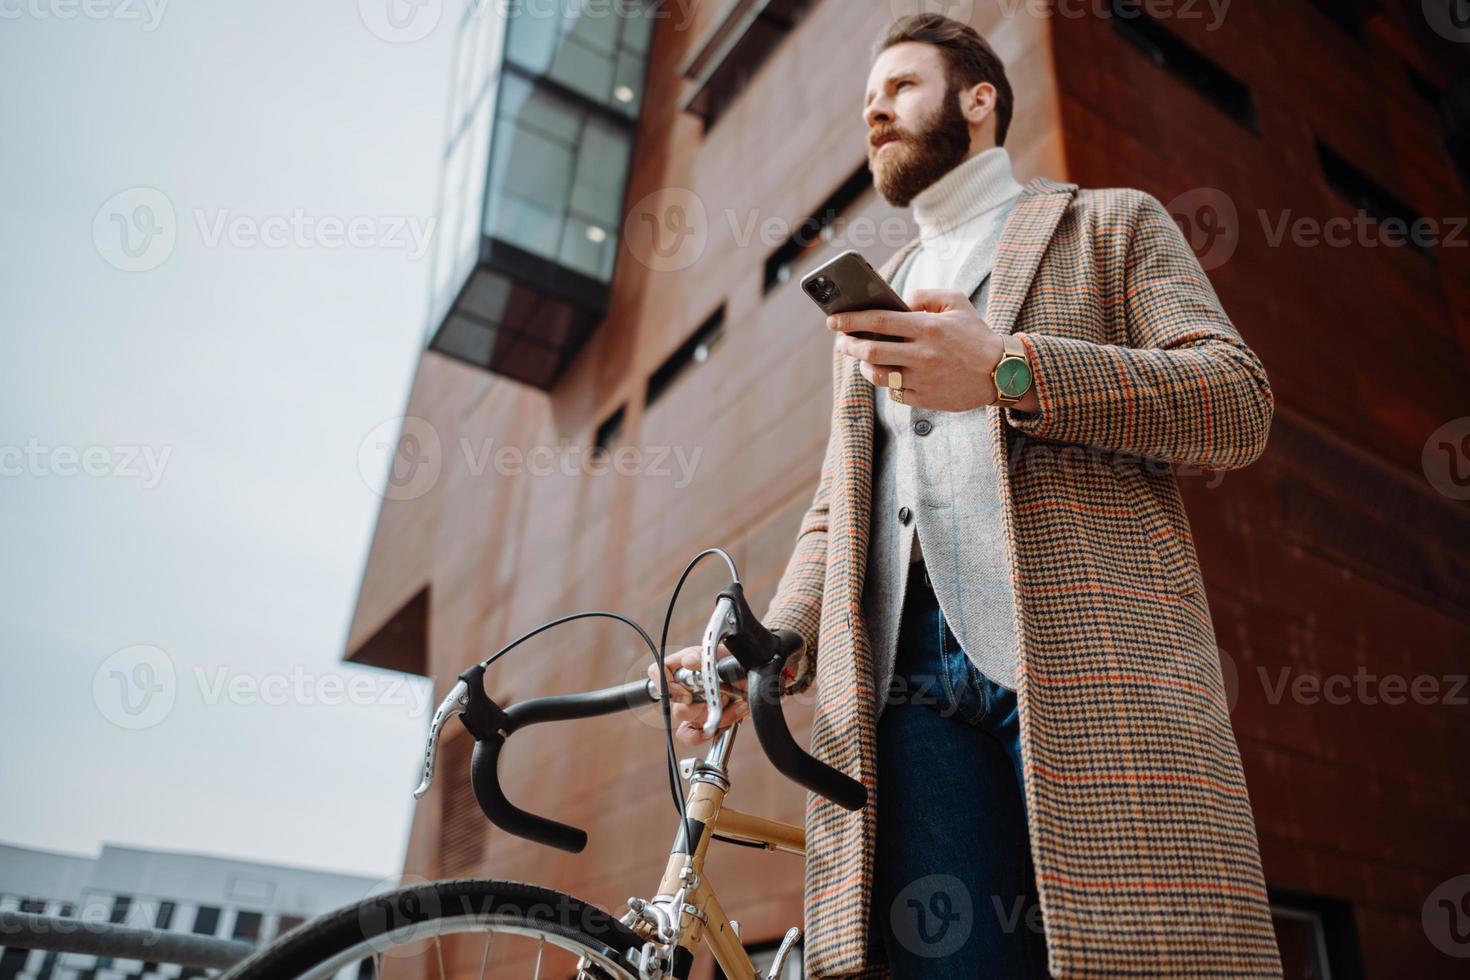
{"type": "Point", "coordinates": [439, 951]}
{"type": "Point", "coordinates": [485, 960]}
{"type": "Point", "coordinates": [540, 949]}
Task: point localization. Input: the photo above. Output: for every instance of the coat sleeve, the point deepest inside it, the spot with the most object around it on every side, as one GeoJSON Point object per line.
{"type": "Point", "coordinates": [797, 604]}
{"type": "Point", "coordinates": [1185, 388]}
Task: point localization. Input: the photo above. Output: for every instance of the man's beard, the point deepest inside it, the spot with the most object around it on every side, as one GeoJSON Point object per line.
{"type": "Point", "coordinates": [934, 151]}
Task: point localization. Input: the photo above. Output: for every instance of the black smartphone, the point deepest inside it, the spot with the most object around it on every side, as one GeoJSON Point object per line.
{"type": "Point", "coordinates": [848, 283]}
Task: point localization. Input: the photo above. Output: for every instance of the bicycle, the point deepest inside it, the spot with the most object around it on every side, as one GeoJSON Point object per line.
{"type": "Point", "coordinates": [656, 938]}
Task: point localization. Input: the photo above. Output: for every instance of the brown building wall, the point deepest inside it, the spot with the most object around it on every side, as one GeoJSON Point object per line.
{"type": "Point", "coordinates": [1330, 554]}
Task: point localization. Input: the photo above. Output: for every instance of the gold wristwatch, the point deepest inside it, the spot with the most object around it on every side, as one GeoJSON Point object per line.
{"type": "Point", "coordinates": [1012, 373]}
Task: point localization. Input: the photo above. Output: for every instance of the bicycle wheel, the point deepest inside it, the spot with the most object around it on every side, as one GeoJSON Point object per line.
{"type": "Point", "coordinates": [474, 927]}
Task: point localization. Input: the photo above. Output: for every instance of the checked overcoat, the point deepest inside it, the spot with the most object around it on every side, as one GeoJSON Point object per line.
{"type": "Point", "coordinates": [1145, 851]}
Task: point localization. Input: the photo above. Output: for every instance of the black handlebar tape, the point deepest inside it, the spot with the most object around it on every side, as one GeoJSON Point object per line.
{"type": "Point", "coordinates": [587, 704]}
{"type": "Point", "coordinates": [491, 725]}
{"type": "Point", "coordinates": [790, 759]}
{"type": "Point", "coordinates": [485, 777]}
{"type": "Point", "coordinates": [730, 670]}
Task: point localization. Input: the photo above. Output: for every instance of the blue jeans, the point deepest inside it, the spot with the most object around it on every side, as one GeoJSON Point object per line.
{"type": "Point", "coordinates": [954, 890]}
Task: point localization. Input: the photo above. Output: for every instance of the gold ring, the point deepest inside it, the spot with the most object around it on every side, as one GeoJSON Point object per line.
{"type": "Point", "coordinates": [895, 386]}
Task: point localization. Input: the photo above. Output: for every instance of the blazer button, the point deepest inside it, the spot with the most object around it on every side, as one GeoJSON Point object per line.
{"type": "Point", "coordinates": [922, 427]}
{"type": "Point", "coordinates": [905, 515]}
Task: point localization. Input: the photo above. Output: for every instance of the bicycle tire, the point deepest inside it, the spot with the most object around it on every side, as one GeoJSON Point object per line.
{"type": "Point", "coordinates": [372, 927]}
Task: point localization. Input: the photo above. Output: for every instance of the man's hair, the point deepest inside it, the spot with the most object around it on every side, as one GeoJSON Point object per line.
{"type": "Point", "coordinates": [968, 58]}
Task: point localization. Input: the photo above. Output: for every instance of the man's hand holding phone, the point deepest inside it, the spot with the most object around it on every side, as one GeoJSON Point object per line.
{"type": "Point", "coordinates": [946, 352]}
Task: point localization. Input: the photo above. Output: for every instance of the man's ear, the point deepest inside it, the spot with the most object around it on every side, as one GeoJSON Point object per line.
{"type": "Point", "coordinates": [979, 103]}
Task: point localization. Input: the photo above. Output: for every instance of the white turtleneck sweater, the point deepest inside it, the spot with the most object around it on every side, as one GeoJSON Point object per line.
{"type": "Point", "coordinates": [953, 214]}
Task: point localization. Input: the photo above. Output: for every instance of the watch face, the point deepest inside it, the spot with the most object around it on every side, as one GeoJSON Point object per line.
{"type": "Point", "coordinates": [1013, 377]}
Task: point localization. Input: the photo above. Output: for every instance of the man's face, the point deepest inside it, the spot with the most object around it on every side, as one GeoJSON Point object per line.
{"type": "Point", "coordinates": [916, 130]}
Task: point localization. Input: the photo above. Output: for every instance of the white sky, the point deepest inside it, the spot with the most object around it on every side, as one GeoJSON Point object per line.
{"type": "Point", "coordinates": [251, 372]}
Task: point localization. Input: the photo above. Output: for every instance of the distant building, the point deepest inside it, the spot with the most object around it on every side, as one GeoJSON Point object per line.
{"type": "Point", "coordinates": [208, 896]}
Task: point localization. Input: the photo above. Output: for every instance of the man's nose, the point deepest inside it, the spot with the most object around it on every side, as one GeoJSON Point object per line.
{"type": "Point", "coordinates": [877, 112]}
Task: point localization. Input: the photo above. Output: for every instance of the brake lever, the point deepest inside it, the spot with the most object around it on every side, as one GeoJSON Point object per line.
{"type": "Point", "coordinates": [721, 624]}
{"type": "Point", "coordinates": [456, 703]}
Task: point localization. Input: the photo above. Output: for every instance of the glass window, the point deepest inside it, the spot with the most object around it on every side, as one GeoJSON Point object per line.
{"type": "Point", "coordinates": [247, 926]}
{"type": "Point", "coordinates": [206, 920]}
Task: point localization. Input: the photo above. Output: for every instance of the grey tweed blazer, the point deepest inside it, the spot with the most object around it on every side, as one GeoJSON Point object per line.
{"type": "Point", "coordinates": [946, 479]}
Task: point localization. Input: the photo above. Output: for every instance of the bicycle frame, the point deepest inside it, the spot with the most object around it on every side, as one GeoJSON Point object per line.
{"type": "Point", "coordinates": [686, 909]}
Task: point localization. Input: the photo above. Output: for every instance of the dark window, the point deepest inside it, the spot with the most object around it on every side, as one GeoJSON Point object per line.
{"type": "Point", "coordinates": [1350, 15]}
{"type": "Point", "coordinates": [247, 926]}
{"type": "Point", "coordinates": [33, 906]}
{"type": "Point", "coordinates": [732, 53]}
{"type": "Point", "coordinates": [12, 961]}
{"type": "Point", "coordinates": [1423, 87]}
{"type": "Point", "coordinates": [165, 917]}
{"type": "Point", "coordinates": [1455, 108]}
{"type": "Point", "coordinates": [1377, 202]}
{"type": "Point", "coordinates": [609, 431]}
{"type": "Point", "coordinates": [1223, 90]}
{"type": "Point", "coordinates": [287, 923]}
{"type": "Point", "coordinates": [779, 265]}
{"type": "Point", "coordinates": [120, 906]}
{"type": "Point", "coordinates": [693, 351]}
{"type": "Point", "coordinates": [206, 921]}
{"type": "Point", "coordinates": [1316, 937]}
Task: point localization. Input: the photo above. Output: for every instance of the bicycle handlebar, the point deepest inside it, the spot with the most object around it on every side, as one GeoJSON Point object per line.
{"type": "Point", "coordinates": [758, 654]}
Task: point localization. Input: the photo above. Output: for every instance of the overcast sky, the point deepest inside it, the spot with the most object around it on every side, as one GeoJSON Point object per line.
{"type": "Point", "coordinates": [213, 289]}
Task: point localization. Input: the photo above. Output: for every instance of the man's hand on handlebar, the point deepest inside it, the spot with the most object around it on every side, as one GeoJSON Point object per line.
{"type": "Point", "coordinates": [688, 715]}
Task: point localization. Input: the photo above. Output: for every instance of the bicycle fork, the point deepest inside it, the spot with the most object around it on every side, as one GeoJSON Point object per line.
{"type": "Point", "coordinates": [685, 911]}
